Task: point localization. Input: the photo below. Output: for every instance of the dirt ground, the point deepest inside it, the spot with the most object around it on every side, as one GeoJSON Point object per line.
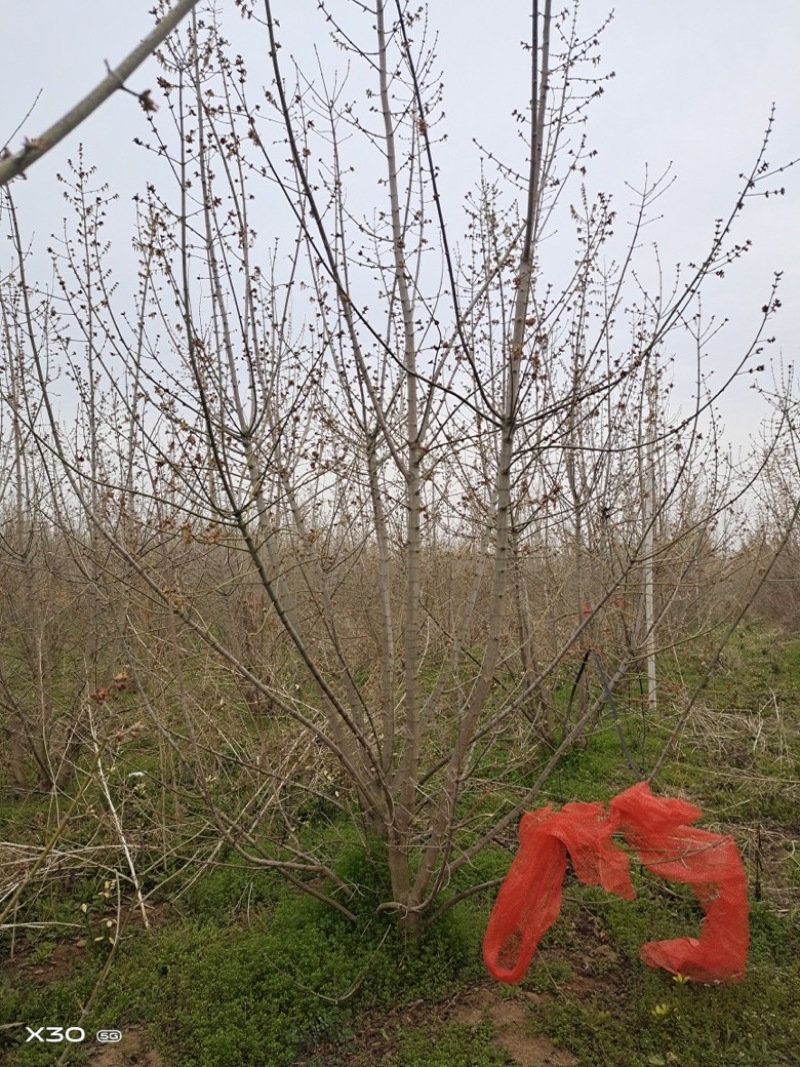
{"type": "Point", "coordinates": [510, 1018]}
{"type": "Point", "coordinates": [509, 1013]}
{"type": "Point", "coordinates": [134, 1050]}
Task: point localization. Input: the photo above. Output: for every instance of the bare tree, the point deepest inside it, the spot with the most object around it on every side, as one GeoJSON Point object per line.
{"type": "Point", "coordinates": [337, 472]}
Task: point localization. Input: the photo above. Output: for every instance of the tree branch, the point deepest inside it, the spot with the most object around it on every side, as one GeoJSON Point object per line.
{"type": "Point", "coordinates": [34, 149]}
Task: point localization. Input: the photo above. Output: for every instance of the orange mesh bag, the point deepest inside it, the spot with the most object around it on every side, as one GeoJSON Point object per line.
{"type": "Point", "coordinates": [530, 898]}
{"type": "Point", "coordinates": [657, 830]}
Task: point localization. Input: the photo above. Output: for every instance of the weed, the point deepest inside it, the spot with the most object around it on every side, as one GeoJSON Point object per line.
{"type": "Point", "coordinates": [450, 1046]}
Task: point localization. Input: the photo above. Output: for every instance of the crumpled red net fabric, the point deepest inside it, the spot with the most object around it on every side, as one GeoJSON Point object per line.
{"type": "Point", "coordinates": [659, 832]}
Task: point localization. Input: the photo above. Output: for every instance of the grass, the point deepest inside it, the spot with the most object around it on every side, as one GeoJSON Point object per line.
{"type": "Point", "coordinates": [644, 1017]}
{"type": "Point", "coordinates": [455, 1045]}
{"type": "Point", "coordinates": [240, 971]}
{"type": "Point", "coordinates": [238, 988]}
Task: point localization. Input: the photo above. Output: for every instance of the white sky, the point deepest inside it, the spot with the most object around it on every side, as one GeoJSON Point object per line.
{"type": "Point", "coordinates": [694, 83]}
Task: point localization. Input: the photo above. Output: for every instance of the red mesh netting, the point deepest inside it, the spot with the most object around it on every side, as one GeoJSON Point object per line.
{"type": "Point", "coordinates": [658, 830]}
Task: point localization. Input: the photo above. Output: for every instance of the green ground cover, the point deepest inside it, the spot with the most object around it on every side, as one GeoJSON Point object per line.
{"type": "Point", "coordinates": [238, 970]}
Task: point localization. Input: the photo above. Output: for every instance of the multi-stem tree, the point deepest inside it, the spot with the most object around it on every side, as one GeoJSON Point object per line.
{"type": "Point", "coordinates": [338, 465]}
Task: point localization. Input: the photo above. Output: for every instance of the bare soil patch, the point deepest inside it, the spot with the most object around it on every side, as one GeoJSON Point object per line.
{"type": "Point", "coordinates": [134, 1050]}
{"type": "Point", "coordinates": [511, 1017]}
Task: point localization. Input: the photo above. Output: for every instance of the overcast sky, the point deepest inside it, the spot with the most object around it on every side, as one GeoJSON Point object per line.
{"type": "Point", "coordinates": [694, 83]}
